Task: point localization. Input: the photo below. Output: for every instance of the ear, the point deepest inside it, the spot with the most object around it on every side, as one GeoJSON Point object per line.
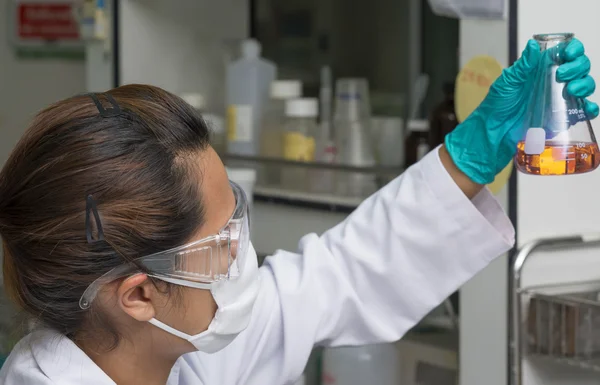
{"type": "Point", "coordinates": [135, 297]}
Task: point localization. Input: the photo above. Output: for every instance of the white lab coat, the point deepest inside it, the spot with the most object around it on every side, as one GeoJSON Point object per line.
{"type": "Point", "coordinates": [369, 279]}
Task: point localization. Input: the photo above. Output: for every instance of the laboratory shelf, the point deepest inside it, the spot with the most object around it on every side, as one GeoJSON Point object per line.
{"type": "Point", "coordinates": [564, 327]}
{"type": "Point", "coordinates": [249, 161]}
{"type": "Point", "coordinates": [581, 363]}
{"type": "Point", "coordinates": [555, 319]}
{"type": "Point", "coordinates": [440, 322]}
{"type": "Point", "coordinates": [278, 194]}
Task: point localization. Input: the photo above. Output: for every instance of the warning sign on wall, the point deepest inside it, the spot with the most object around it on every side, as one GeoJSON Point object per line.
{"type": "Point", "coordinates": [46, 21]}
{"type": "Point", "coordinates": [42, 28]}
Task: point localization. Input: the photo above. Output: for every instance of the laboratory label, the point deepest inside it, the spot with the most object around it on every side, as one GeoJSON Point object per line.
{"type": "Point", "coordinates": [240, 123]}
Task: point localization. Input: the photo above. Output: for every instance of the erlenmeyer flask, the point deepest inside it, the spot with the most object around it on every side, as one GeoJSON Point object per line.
{"type": "Point", "coordinates": [558, 138]}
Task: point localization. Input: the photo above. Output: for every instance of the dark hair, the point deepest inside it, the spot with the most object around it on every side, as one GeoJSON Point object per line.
{"type": "Point", "coordinates": [140, 166]}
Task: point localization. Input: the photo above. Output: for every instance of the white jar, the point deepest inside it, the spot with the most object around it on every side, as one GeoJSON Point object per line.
{"type": "Point", "coordinates": [300, 130]}
{"type": "Point", "coordinates": [271, 141]}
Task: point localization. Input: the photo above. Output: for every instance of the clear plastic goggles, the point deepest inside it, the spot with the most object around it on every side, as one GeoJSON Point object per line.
{"type": "Point", "coordinates": [198, 264]}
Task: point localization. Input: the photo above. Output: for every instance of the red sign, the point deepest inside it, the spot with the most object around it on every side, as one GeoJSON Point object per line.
{"type": "Point", "coordinates": [47, 21]}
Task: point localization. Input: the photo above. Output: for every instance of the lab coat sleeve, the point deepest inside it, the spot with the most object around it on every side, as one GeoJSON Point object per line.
{"type": "Point", "coordinates": [372, 277]}
{"type": "Point", "coordinates": [379, 272]}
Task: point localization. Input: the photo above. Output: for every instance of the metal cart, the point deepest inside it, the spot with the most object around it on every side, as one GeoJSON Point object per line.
{"type": "Point", "coordinates": [556, 324]}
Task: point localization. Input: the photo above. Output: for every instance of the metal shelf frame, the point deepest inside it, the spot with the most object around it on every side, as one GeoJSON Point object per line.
{"type": "Point", "coordinates": [519, 336]}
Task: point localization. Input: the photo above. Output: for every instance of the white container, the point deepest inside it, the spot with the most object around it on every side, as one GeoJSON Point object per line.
{"type": "Point", "coordinates": [388, 133]}
{"type": "Point", "coordinates": [360, 365]}
{"type": "Point", "coordinates": [271, 142]}
{"type": "Point", "coordinates": [247, 89]}
{"type": "Point", "coordinates": [300, 130]}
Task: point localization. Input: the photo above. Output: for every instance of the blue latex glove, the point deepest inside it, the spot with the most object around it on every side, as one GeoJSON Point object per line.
{"type": "Point", "coordinates": [486, 141]}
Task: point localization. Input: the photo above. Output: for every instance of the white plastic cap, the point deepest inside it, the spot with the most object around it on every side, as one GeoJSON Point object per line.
{"type": "Point", "coordinates": [286, 89]}
{"type": "Point", "coordinates": [302, 108]}
{"type": "Point", "coordinates": [251, 48]}
{"type": "Point", "coordinates": [194, 99]}
{"type": "Point", "coordinates": [418, 125]}
{"type": "Point", "coordinates": [535, 141]}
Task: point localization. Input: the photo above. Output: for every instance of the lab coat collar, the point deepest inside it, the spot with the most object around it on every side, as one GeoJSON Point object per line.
{"type": "Point", "coordinates": [63, 362]}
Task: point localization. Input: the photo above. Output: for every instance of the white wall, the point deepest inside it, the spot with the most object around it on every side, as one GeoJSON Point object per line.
{"type": "Point", "coordinates": [99, 65]}
{"type": "Point", "coordinates": [562, 205]}
{"type": "Point", "coordinates": [483, 300]}
{"type": "Point", "coordinates": [555, 206]}
{"type": "Point", "coordinates": [27, 86]}
{"type": "Point", "coordinates": [547, 207]}
{"type": "Point", "coordinates": [271, 236]}
{"type": "Point", "coordinates": [180, 45]}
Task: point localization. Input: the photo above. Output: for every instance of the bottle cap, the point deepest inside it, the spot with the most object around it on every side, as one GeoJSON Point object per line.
{"type": "Point", "coordinates": [418, 125]}
{"type": "Point", "coordinates": [286, 89]}
{"type": "Point", "coordinates": [302, 108]}
{"type": "Point", "coordinates": [194, 99]}
{"type": "Point", "coordinates": [251, 48]}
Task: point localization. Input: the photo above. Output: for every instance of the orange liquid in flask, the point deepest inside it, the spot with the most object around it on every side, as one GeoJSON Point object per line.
{"type": "Point", "coordinates": [559, 159]}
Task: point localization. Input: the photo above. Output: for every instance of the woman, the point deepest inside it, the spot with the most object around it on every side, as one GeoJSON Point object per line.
{"type": "Point", "coordinates": [125, 240]}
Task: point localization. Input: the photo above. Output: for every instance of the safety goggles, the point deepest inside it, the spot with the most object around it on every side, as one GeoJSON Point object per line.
{"type": "Point", "coordinates": [198, 264]}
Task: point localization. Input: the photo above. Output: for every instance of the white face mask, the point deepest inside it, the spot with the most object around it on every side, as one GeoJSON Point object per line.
{"type": "Point", "coordinates": [235, 299]}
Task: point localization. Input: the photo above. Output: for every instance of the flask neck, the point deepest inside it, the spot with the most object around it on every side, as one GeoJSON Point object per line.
{"type": "Point", "coordinates": [550, 40]}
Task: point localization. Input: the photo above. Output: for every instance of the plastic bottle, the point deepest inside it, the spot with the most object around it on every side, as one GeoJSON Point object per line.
{"type": "Point", "coordinates": [248, 82]}
{"type": "Point", "coordinates": [300, 130]}
{"type": "Point", "coordinates": [271, 143]}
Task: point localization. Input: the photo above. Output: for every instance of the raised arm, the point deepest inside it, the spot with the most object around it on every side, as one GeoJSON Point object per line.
{"type": "Point", "coordinates": [402, 252]}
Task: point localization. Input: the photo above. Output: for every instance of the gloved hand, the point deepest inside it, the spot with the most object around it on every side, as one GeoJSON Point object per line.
{"type": "Point", "coordinates": [486, 141]}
